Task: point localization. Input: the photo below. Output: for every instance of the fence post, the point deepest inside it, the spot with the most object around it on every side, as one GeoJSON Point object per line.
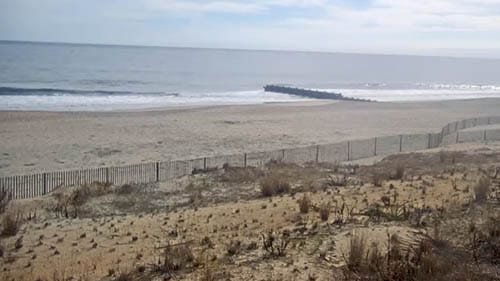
{"type": "Point", "coordinates": [107, 175]}
{"type": "Point", "coordinates": [429, 141]}
{"type": "Point", "coordinates": [400, 143]}
{"type": "Point", "coordinates": [317, 153]}
{"type": "Point", "coordinates": [205, 163]}
{"type": "Point", "coordinates": [375, 147]}
{"type": "Point", "coordinates": [348, 151]}
{"type": "Point", "coordinates": [44, 183]}
{"type": "Point", "coordinates": [484, 135]}
{"type": "Point", "coordinates": [283, 155]}
{"type": "Point", "coordinates": [157, 171]}
{"type": "Point", "coordinates": [458, 137]}
{"type": "Point", "coordinates": [245, 160]}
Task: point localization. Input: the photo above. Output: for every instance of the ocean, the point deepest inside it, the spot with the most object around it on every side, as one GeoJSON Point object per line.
{"type": "Point", "coordinates": [73, 77]}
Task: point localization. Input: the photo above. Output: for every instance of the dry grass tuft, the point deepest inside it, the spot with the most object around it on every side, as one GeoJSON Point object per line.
{"type": "Point", "coordinates": [5, 198]}
{"type": "Point", "coordinates": [399, 173]}
{"type": "Point", "coordinates": [420, 259]}
{"type": "Point", "coordinates": [240, 175]}
{"type": "Point", "coordinates": [482, 190]}
{"type": "Point", "coordinates": [357, 249]}
{"type": "Point", "coordinates": [377, 179]}
{"type": "Point", "coordinates": [11, 223]}
{"type": "Point", "coordinates": [304, 204]}
{"type": "Point", "coordinates": [275, 244]}
{"type": "Point", "coordinates": [174, 258]}
{"type": "Point", "coordinates": [324, 211]}
{"type": "Point", "coordinates": [274, 184]}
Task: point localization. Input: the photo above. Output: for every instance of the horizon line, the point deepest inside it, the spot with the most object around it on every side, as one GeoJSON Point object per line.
{"type": "Point", "coordinates": [241, 49]}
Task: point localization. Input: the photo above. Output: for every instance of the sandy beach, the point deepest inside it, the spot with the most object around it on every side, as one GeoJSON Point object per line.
{"type": "Point", "coordinates": [46, 141]}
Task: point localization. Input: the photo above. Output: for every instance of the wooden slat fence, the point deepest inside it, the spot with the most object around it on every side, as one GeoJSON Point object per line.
{"type": "Point", "coordinates": [35, 185]}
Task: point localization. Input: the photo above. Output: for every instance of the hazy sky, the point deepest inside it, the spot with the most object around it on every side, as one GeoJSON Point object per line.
{"type": "Point", "coordinates": [435, 27]}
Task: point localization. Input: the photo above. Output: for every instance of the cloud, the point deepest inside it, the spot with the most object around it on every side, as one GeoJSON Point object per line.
{"type": "Point", "coordinates": [225, 6]}
{"type": "Point", "coordinates": [328, 25]}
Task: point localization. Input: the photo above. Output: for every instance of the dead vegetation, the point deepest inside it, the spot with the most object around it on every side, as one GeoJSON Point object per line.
{"type": "Point", "coordinates": [276, 243]}
{"type": "Point", "coordinates": [408, 217]}
{"type": "Point", "coordinates": [420, 258]}
{"type": "Point", "coordinates": [5, 198]}
{"type": "Point", "coordinates": [11, 222]}
{"type": "Point", "coordinates": [274, 184]}
{"type": "Point", "coordinates": [304, 204]}
{"type": "Point", "coordinates": [482, 189]}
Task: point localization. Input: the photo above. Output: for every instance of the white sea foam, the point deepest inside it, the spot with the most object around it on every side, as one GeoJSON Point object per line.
{"type": "Point", "coordinates": [48, 100]}
{"type": "Point", "coordinates": [77, 102]}
{"type": "Point", "coordinates": [420, 92]}
{"type": "Point", "coordinates": [384, 95]}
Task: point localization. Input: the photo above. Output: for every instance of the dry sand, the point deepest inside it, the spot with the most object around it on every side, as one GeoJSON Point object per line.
{"type": "Point", "coordinates": [46, 141]}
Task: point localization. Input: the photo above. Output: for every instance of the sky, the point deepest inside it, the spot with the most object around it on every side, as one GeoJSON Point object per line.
{"type": "Point", "coordinates": [465, 28]}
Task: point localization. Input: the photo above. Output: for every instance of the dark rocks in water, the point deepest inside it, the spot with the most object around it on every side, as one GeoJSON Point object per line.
{"type": "Point", "coordinates": [309, 93]}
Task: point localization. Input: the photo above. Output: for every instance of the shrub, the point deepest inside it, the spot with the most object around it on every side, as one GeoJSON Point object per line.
{"type": "Point", "coordinates": [234, 248]}
{"type": "Point", "coordinates": [240, 175]}
{"type": "Point", "coordinates": [304, 204]}
{"type": "Point", "coordinates": [324, 211]}
{"type": "Point", "coordinates": [442, 156]}
{"type": "Point", "coordinates": [485, 242]}
{"type": "Point", "coordinates": [208, 273]}
{"type": "Point", "coordinates": [5, 198]}
{"type": "Point", "coordinates": [377, 179]}
{"type": "Point", "coordinates": [124, 276]}
{"type": "Point", "coordinates": [482, 189]}
{"type": "Point", "coordinates": [275, 244]}
{"type": "Point", "coordinates": [400, 171]}
{"type": "Point", "coordinates": [125, 189]}
{"type": "Point", "coordinates": [11, 223]}
{"type": "Point", "coordinates": [357, 249]}
{"type": "Point", "coordinates": [274, 184]}
{"type": "Point", "coordinates": [419, 259]}
{"type": "Point", "coordinates": [174, 257]}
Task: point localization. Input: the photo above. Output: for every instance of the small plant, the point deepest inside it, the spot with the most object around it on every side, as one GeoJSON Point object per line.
{"type": "Point", "coordinates": [5, 198]}
{"type": "Point", "coordinates": [174, 258]}
{"type": "Point", "coordinates": [482, 190]}
{"type": "Point", "coordinates": [11, 223]}
{"type": "Point", "coordinates": [125, 189]}
{"type": "Point", "coordinates": [442, 156]}
{"type": "Point", "coordinates": [208, 273]}
{"type": "Point", "coordinates": [304, 204]}
{"type": "Point", "coordinates": [240, 175]}
{"type": "Point", "coordinates": [337, 180]}
{"type": "Point", "coordinates": [357, 248]}
{"type": "Point", "coordinates": [386, 200]}
{"type": "Point", "coordinates": [275, 244]}
{"type": "Point", "coordinates": [377, 179]}
{"type": "Point", "coordinates": [400, 171]}
{"type": "Point", "coordinates": [124, 276]}
{"type": "Point", "coordinates": [274, 184]}
{"type": "Point", "coordinates": [324, 211]}
{"type": "Point", "coordinates": [234, 248]}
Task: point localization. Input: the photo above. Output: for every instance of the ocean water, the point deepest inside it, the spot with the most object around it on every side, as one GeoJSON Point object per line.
{"type": "Point", "coordinates": [60, 77]}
